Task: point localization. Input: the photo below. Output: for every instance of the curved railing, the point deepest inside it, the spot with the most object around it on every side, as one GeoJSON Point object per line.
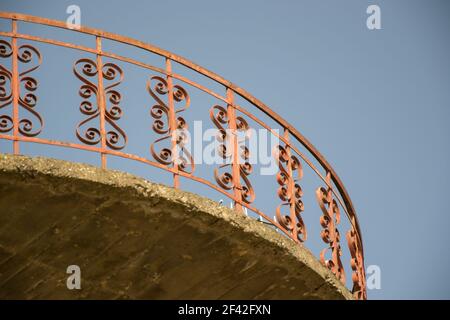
{"type": "Point", "coordinates": [99, 85]}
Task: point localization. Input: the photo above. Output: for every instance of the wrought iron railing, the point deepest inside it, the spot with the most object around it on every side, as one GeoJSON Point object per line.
{"type": "Point", "coordinates": [99, 92]}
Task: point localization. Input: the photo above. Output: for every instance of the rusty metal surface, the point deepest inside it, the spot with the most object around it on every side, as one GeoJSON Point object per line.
{"type": "Point", "coordinates": [233, 175]}
{"type": "Point", "coordinates": [168, 123]}
{"type": "Point", "coordinates": [27, 99]}
{"type": "Point", "coordinates": [290, 192]}
{"type": "Point", "coordinates": [330, 234]}
{"type": "Point", "coordinates": [100, 132]}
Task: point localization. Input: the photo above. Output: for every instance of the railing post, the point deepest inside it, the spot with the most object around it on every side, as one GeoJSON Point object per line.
{"type": "Point", "coordinates": [330, 235]}
{"type": "Point", "coordinates": [291, 187]}
{"type": "Point", "coordinates": [15, 87]}
{"type": "Point", "coordinates": [235, 150]}
{"type": "Point", "coordinates": [331, 227]}
{"type": "Point", "coordinates": [172, 124]}
{"type": "Point", "coordinates": [101, 99]}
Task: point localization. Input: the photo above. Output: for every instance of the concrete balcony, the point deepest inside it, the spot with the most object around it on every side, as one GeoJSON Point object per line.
{"type": "Point", "coordinates": [134, 239]}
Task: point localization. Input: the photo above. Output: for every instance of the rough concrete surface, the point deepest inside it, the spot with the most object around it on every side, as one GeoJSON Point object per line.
{"type": "Point", "coordinates": [134, 239]}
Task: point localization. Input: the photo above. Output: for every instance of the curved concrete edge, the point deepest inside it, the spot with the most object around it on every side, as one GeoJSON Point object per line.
{"type": "Point", "coordinates": [288, 254]}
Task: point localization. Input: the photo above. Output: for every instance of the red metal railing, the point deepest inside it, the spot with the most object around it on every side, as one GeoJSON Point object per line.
{"type": "Point", "coordinates": [100, 101]}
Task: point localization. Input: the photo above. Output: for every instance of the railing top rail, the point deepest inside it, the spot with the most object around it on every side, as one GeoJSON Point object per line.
{"type": "Point", "coordinates": [191, 65]}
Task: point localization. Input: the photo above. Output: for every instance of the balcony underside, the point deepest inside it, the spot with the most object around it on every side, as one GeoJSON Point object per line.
{"type": "Point", "coordinates": [139, 240]}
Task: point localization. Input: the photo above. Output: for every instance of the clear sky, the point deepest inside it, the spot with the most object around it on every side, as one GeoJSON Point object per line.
{"type": "Point", "coordinates": [375, 103]}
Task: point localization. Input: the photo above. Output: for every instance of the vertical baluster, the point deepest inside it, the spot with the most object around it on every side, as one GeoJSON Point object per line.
{"type": "Point", "coordinates": [106, 109]}
{"type": "Point", "coordinates": [172, 124]}
{"type": "Point", "coordinates": [330, 235]}
{"type": "Point", "coordinates": [235, 150]}
{"type": "Point", "coordinates": [235, 176]}
{"type": "Point", "coordinates": [332, 226]}
{"type": "Point", "coordinates": [101, 99]}
{"type": "Point", "coordinates": [289, 191]}
{"type": "Point", "coordinates": [291, 187]}
{"type": "Point", "coordinates": [356, 262]}
{"type": "Point", "coordinates": [15, 87]}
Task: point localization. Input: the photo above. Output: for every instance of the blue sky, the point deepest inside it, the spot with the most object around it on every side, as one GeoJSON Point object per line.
{"type": "Point", "coordinates": [375, 103]}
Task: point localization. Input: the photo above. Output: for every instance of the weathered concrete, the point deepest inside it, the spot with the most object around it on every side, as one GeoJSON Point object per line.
{"type": "Point", "coordinates": [139, 240]}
